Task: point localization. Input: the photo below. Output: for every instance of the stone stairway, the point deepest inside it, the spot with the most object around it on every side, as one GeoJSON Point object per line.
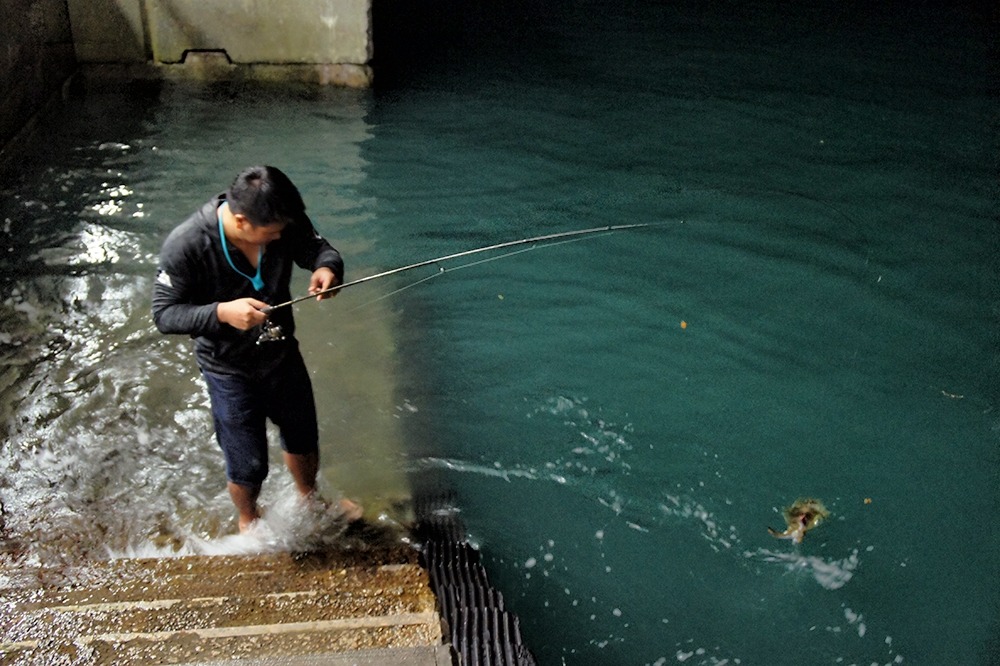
{"type": "Point", "coordinates": [346, 607]}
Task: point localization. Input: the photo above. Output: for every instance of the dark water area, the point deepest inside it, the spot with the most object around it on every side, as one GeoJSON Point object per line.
{"type": "Point", "coordinates": [621, 418]}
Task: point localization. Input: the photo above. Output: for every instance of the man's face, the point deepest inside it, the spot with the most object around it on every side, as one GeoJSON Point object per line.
{"type": "Point", "coordinates": [259, 235]}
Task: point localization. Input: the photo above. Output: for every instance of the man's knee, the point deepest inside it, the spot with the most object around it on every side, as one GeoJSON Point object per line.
{"type": "Point", "coordinates": [249, 472]}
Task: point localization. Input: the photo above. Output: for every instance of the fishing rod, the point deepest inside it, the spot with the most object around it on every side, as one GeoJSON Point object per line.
{"type": "Point", "coordinates": [458, 255]}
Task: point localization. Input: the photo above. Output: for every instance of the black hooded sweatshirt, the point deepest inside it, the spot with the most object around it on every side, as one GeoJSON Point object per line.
{"type": "Point", "coordinates": [194, 276]}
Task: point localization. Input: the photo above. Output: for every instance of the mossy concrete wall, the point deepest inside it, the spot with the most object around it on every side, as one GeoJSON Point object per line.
{"type": "Point", "coordinates": [317, 40]}
{"type": "Point", "coordinates": [44, 42]}
{"type": "Point", "coordinates": [109, 31]}
{"type": "Point", "coordinates": [36, 59]}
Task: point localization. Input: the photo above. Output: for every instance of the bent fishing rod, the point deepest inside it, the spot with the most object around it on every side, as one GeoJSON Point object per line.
{"type": "Point", "coordinates": [458, 255]}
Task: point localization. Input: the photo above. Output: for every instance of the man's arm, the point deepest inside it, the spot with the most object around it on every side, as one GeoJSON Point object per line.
{"type": "Point", "coordinates": [311, 251]}
{"type": "Point", "coordinates": [174, 313]}
{"type": "Point", "coordinates": [177, 306]}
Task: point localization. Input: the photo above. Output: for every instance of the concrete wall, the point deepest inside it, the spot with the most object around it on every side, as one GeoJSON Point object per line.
{"type": "Point", "coordinates": [44, 42]}
{"type": "Point", "coordinates": [306, 39]}
{"type": "Point", "coordinates": [106, 31]}
{"type": "Point", "coordinates": [36, 59]}
{"type": "Point", "coordinates": [271, 31]}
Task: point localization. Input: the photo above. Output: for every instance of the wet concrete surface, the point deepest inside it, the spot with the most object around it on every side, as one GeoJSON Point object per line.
{"type": "Point", "coordinates": [372, 602]}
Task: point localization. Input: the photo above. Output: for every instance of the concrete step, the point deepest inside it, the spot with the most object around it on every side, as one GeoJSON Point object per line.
{"type": "Point", "coordinates": [269, 608]}
{"type": "Point", "coordinates": [417, 656]}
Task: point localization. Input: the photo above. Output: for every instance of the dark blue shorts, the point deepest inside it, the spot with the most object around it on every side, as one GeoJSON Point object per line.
{"type": "Point", "coordinates": [241, 407]}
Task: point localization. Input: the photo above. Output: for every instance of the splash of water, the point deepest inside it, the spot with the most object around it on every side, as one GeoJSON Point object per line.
{"type": "Point", "coordinates": [831, 574]}
{"type": "Point", "coordinates": [291, 524]}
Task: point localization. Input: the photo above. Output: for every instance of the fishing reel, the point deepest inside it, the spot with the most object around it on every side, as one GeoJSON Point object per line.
{"type": "Point", "coordinates": [270, 332]}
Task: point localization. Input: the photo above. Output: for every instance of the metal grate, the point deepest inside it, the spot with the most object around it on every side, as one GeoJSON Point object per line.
{"type": "Point", "coordinates": [481, 630]}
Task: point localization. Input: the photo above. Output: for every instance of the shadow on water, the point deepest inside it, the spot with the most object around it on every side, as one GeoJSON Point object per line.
{"type": "Point", "coordinates": [837, 261]}
{"type": "Point", "coordinates": [430, 38]}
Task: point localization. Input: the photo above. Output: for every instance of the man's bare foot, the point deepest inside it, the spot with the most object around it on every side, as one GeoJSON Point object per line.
{"type": "Point", "coordinates": [346, 509]}
{"type": "Point", "coordinates": [247, 526]}
{"type": "Point", "coordinates": [349, 510]}
{"type": "Point", "coordinates": [250, 522]}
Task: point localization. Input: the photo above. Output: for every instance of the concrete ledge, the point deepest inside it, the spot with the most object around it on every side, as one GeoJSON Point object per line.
{"type": "Point", "coordinates": [210, 67]}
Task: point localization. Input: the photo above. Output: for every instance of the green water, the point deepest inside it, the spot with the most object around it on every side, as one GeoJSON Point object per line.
{"type": "Point", "coordinates": [620, 418]}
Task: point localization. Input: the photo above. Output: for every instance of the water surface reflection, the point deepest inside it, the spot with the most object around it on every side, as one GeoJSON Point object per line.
{"type": "Point", "coordinates": [109, 446]}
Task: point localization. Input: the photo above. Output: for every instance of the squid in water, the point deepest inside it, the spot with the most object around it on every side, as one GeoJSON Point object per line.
{"type": "Point", "coordinates": [803, 515]}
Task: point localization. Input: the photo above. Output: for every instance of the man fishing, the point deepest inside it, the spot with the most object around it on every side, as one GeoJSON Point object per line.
{"type": "Point", "coordinates": [219, 270]}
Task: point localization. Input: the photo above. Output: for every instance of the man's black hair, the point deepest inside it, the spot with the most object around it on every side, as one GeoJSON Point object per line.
{"type": "Point", "coordinates": [265, 195]}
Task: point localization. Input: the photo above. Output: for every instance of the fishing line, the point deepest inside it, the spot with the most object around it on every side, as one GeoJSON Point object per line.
{"type": "Point", "coordinates": [466, 253]}
{"type": "Point", "coordinates": [442, 270]}
{"type": "Point", "coordinates": [271, 331]}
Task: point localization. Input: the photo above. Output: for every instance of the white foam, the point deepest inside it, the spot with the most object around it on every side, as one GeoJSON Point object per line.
{"type": "Point", "coordinates": [291, 524]}
{"type": "Point", "coordinates": [830, 574]}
